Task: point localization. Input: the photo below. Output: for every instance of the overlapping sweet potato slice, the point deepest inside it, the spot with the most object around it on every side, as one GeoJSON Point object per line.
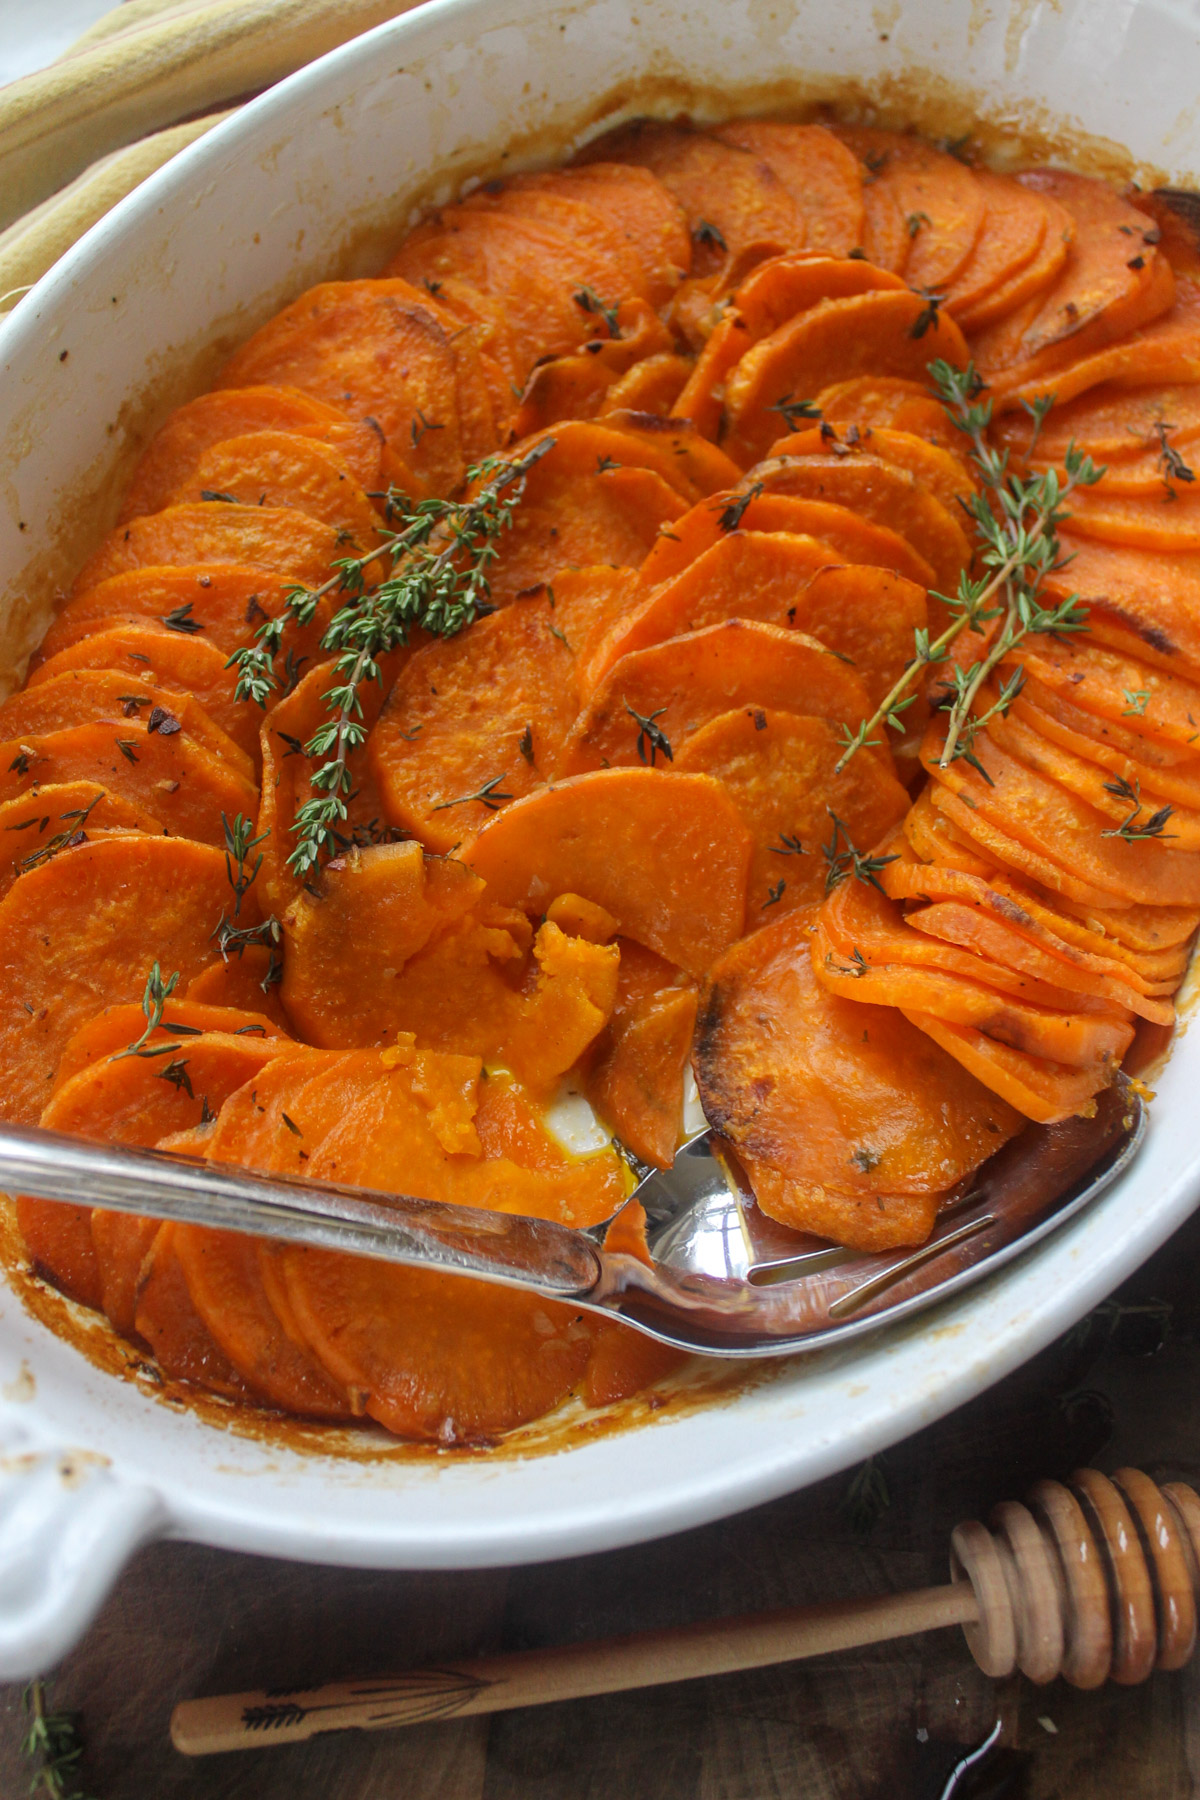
{"type": "Point", "coordinates": [1162, 520]}
{"type": "Point", "coordinates": [151, 652]}
{"type": "Point", "coordinates": [279, 468]}
{"type": "Point", "coordinates": [779, 770]}
{"type": "Point", "coordinates": [652, 386]}
{"type": "Point", "coordinates": [588, 603]}
{"type": "Point", "coordinates": [380, 351]}
{"type": "Point", "coordinates": [849, 537]}
{"type": "Point", "coordinates": [682, 683]}
{"type": "Point", "coordinates": [991, 844]}
{"type": "Point", "coordinates": [578, 217]}
{"type": "Point", "coordinates": [1042, 1091]}
{"type": "Point", "coordinates": [170, 778]}
{"type": "Point", "coordinates": [850, 1123]}
{"type": "Point", "coordinates": [941, 202]}
{"type": "Point", "coordinates": [579, 385]}
{"type": "Point", "coordinates": [473, 722]}
{"type": "Point", "coordinates": [667, 858]}
{"type": "Point", "coordinates": [1015, 225]}
{"type": "Point", "coordinates": [821, 175]}
{"type": "Point", "coordinates": [78, 696]}
{"type": "Point", "coordinates": [944, 475]}
{"type": "Point", "coordinates": [732, 191]}
{"type": "Point", "coordinates": [178, 446]}
{"type": "Point", "coordinates": [114, 1028]}
{"type": "Point", "coordinates": [167, 1319]}
{"type": "Point", "coordinates": [80, 933]}
{"type": "Point", "coordinates": [874, 400]}
{"type": "Point", "coordinates": [1141, 604]}
{"type": "Point", "coordinates": [245, 979]}
{"type": "Point", "coordinates": [866, 614]}
{"type": "Point", "coordinates": [1108, 747]}
{"type": "Point", "coordinates": [636, 1081]}
{"type": "Point", "coordinates": [1165, 350]}
{"type": "Point", "coordinates": [275, 539]}
{"type": "Point", "coordinates": [219, 604]}
{"type": "Point", "coordinates": [1150, 705]}
{"type": "Point", "coordinates": [888, 333]}
{"type": "Point", "coordinates": [33, 829]}
{"type": "Point", "coordinates": [636, 204]}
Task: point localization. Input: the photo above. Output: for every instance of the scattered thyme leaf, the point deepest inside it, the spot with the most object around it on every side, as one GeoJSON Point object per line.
{"type": "Point", "coordinates": [488, 795]}
{"type": "Point", "coordinates": [651, 734]}
{"type": "Point", "coordinates": [848, 861]}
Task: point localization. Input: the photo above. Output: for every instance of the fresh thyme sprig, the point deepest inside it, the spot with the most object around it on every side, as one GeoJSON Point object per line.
{"type": "Point", "coordinates": [849, 861]}
{"type": "Point", "coordinates": [75, 833]}
{"type": "Point", "coordinates": [438, 556]}
{"type": "Point", "coordinates": [1017, 523]}
{"type": "Point", "coordinates": [238, 845]}
{"type": "Point", "coordinates": [154, 998]}
{"type": "Point", "coordinates": [1133, 828]}
{"type": "Point", "coordinates": [53, 1739]}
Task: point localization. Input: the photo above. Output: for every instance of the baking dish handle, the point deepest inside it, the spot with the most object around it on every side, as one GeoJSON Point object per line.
{"type": "Point", "coordinates": [68, 1525]}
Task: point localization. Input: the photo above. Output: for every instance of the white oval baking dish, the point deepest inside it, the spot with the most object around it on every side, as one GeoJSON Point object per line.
{"type": "Point", "coordinates": [129, 321]}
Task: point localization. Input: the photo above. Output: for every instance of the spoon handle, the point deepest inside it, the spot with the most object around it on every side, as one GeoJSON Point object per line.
{"type": "Point", "coordinates": [519, 1252]}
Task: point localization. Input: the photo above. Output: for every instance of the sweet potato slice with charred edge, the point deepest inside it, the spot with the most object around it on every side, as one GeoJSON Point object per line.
{"type": "Point", "coordinates": [945, 476]}
{"type": "Point", "coordinates": [735, 193]}
{"type": "Point", "coordinates": [1043, 1091]}
{"type": "Point", "coordinates": [484, 713]}
{"type": "Point", "coordinates": [380, 351]}
{"type": "Point", "coordinates": [636, 1079]}
{"type": "Point", "coordinates": [637, 205]}
{"type": "Point", "coordinates": [821, 175]}
{"type": "Point", "coordinates": [686, 681]}
{"type": "Point", "coordinates": [667, 858]}
{"type": "Point", "coordinates": [176, 448]}
{"type": "Point", "coordinates": [779, 771]}
{"type": "Point", "coordinates": [171, 778]}
{"type": "Point", "coordinates": [848, 537]}
{"type": "Point", "coordinates": [845, 1103]}
{"type": "Point", "coordinates": [674, 448]}
{"type": "Point", "coordinates": [869, 334]}
{"type": "Point", "coordinates": [278, 468]}
{"type": "Point", "coordinates": [218, 604]}
{"type": "Point", "coordinates": [151, 652]}
{"type": "Point", "coordinates": [80, 933]}
{"type": "Point", "coordinates": [883, 494]}
{"type": "Point", "coordinates": [869, 401]}
{"type": "Point", "coordinates": [81, 696]}
{"type": "Point", "coordinates": [939, 198]}
{"type": "Point", "coordinates": [34, 829]}
{"type": "Point", "coordinates": [1056, 825]}
{"type": "Point", "coordinates": [277, 539]}
{"type": "Point", "coordinates": [1141, 604]}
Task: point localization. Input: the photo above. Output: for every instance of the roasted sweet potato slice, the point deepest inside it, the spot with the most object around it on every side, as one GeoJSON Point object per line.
{"type": "Point", "coordinates": [589, 602]}
{"type": "Point", "coordinates": [636, 1079]}
{"type": "Point", "coordinates": [686, 681]}
{"type": "Point", "coordinates": [674, 448]}
{"type": "Point", "coordinates": [1141, 604]}
{"type": "Point", "coordinates": [866, 614]}
{"type": "Point", "coordinates": [170, 778]}
{"type": "Point", "coordinates": [991, 845]}
{"type": "Point", "coordinates": [873, 400]}
{"type": "Point", "coordinates": [79, 696]}
{"type": "Point", "coordinates": [34, 829]}
{"type": "Point", "coordinates": [623, 1363]}
{"type": "Point", "coordinates": [636, 204]}
{"type": "Point", "coordinates": [166, 1317]}
{"type": "Point", "coordinates": [652, 386]}
{"type": "Point", "coordinates": [80, 933]}
{"type": "Point", "coordinates": [176, 448]}
{"type": "Point", "coordinates": [276, 539]}
{"type": "Point", "coordinates": [869, 334]}
{"type": "Point", "coordinates": [473, 722]}
{"type": "Point", "coordinates": [283, 469]}
{"type": "Point", "coordinates": [1165, 350]}
{"type": "Point", "coordinates": [732, 191]}
{"type": "Point", "coordinates": [185, 1021]}
{"type": "Point", "coordinates": [380, 351]}
{"type": "Point", "coordinates": [945, 476]}
{"type": "Point", "coordinates": [1162, 520]}
{"type": "Point", "coordinates": [579, 218]}
{"type": "Point", "coordinates": [247, 982]}
{"type": "Point", "coordinates": [942, 204]}
{"type": "Point", "coordinates": [1043, 1091]}
{"type": "Point", "coordinates": [778, 769]}
{"type": "Point", "coordinates": [1016, 220]}
{"type": "Point", "coordinates": [821, 175]}
{"type": "Point", "coordinates": [1143, 701]}
{"type": "Point", "coordinates": [843, 1101]}
{"type": "Point", "coordinates": [218, 604]}
{"type": "Point", "coordinates": [1108, 747]}
{"type": "Point", "coordinates": [849, 537]}
{"type": "Point", "coordinates": [579, 385]}
{"type": "Point", "coordinates": [668, 858]}
{"type": "Point", "coordinates": [152, 652]}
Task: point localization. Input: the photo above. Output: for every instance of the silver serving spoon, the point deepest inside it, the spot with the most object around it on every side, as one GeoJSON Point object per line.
{"type": "Point", "coordinates": [723, 1278]}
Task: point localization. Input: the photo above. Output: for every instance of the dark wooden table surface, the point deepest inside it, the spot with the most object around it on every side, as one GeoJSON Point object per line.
{"type": "Point", "coordinates": [887, 1722]}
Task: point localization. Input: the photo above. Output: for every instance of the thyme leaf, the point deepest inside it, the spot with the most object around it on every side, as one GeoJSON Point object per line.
{"type": "Point", "coordinates": [848, 861]}
{"type": "Point", "coordinates": [651, 734]}
{"type": "Point", "coordinates": [154, 998]}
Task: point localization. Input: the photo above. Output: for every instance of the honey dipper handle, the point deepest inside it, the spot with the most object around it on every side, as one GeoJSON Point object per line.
{"type": "Point", "coordinates": [566, 1672]}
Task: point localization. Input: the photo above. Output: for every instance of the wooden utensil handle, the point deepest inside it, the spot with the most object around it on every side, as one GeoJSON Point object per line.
{"type": "Point", "coordinates": [565, 1672]}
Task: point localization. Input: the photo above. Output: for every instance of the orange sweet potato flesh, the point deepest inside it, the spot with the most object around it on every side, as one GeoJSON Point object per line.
{"type": "Point", "coordinates": [166, 1317]}
{"type": "Point", "coordinates": [1015, 226]}
{"type": "Point", "coordinates": [939, 198]}
{"type": "Point", "coordinates": [285, 470]}
{"type": "Point", "coordinates": [866, 614]}
{"type": "Point", "coordinates": [577, 216]}
{"type": "Point", "coordinates": [674, 448]}
{"type": "Point", "coordinates": [849, 537]}
{"type": "Point", "coordinates": [1159, 520]}
{"type": "Point", "coordinates": [779, 771]}
{"type": "Point", "coordinates": [844, 1102]}
{"type": "Point", "coordinates": [873, 400]}
{"type": "Point", "coordinates": [1100, 681]}
{"type": "Point", "coordinates": [81, 696]}
{"type": "Point", "coordinates": [636, 1081]}
{"type": "Point", "coordinates": [821, 175]}
{"type": "Point", "coordinates": [1042, 1091]}
{"type": "Point", "coordinates": [216, 604]}
{"type": "Point", "coordinates": [1114, 423]}
{"type": "Point", "coordinates": [624, 1362]}
{"type": "Point", "coordinates": [495, 701]}
{"type": "Point", "coordinates": [868, 334]}
{"type": "Point", "coordinates": [171, 778]}
{"type": "Point", "coordinates": [689, 680]}
{"type": "Point", "coordinates": [1167, 349]}
{"type": "Point", "coordinates": [992, 844]}
{"type": "Point", "coordinates": [667, 856]}
{"type": "Point", "coordinates": [883, 494]}
{"type": "Point", "coordinates": [30, 826]}
{"type": "Point", "coordinates": [152, 652]}
{"type": "Point", "coordinates": [107, 909]}
{"type": "Point", "coordinates": [276, 539]}
{"type": "Point", "coordinates": [652, 386]}
{"type": "Point", "coordinates": [943, 474]}
{"type": "Point", "coordinates": [589, 602]}
{"type": "Point", "coordinates": [1108, 746]}
{"type": "Point", "coordinates": [579, 385]}
{"type": "Point", "coordinates": [715, 183]}
{"type": "Point", "coordinates": [176, 448]}
{"type": "Point", "coordinates": [245, 983]}
{"type": "Point", "coordinates": [639, 207]}
{"type": "Point", "coordinates": [113, 1029]}
{"type": "Point", "coordinates": [1139, 603]}
{"type": "Point", "coordinates": [380, 351]}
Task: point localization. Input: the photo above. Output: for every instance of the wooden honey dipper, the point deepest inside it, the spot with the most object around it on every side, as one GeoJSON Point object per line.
{"type": "Point", "coordinates": [1093, 1580]}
